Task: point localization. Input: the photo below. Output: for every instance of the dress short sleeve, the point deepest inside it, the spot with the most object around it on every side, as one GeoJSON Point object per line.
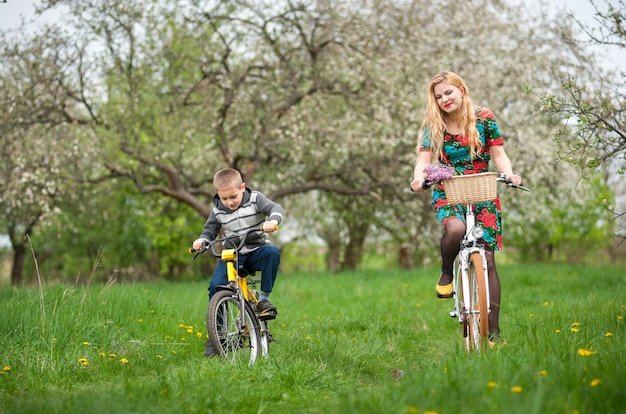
{"type": "Point", "coordinates": [425, 147]}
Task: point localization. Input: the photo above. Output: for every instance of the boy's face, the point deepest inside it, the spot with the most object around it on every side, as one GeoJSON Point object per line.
{"type": "Point", "coordinates": [231, 197]}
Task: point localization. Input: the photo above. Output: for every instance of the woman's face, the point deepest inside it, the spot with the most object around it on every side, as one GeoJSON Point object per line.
{"type": "Point", "coordinates": [448, 97]}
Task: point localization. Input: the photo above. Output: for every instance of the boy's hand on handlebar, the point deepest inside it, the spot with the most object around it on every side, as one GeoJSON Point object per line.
{"type": "Point", "coordinates": [270, 226]}
{"type": "Point", "coordinates": [197, 244]}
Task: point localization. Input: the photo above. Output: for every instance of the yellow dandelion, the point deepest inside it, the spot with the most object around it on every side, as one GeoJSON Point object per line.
{"type": "Point", "coordinates": [595, 382]}
{"type": "Point", "coordinates": [182, 338]}
{"type": "Point", "coordinates": [6, 368]}
{"type": "Point", "coordinates": [576, 324]}
{"type": "Point", "coordinates": [168, 337]}
{"type": "Point", "coordinates": [558, 331]}
{"type": "Point", "coordinates": [112, 355]}
{"type": "Point", "coordinates": [54, 339]}
{"type": "Point", "coordinates": [308, 338]}
{"type": "Point", "coordinates": [140, 320]}
{"type": "Point", "coordinates": [411, 410]}
{"type": "Point", "coordinates": [532, 315]}
{"type": "Point", "coordinates": [545, 303]}
{"type": "Point", "coordinates": [86, 343]}
{"type": "Point", "coordinates": [430, 412]}
{"type": "Point", "coordinates": [543, 373]}
{"type": "Point", "coordinates": [83, 362]}
{"type": "Point", "coordinates": [199, 334]}
{"type": "Point", "coordinates": [124, 361]}
{"type": "Point", "coordinates": [159, 356]}
{"type": "Point", "coordinates": [516, 389]}
{"type": "Point", "coordinates": [574, 330]}
{"type": "Point", "coordinates": [492, 384]}
{"type": "Point", "coordinates": [283, 325]}
{"type": "Point", "coordinates": [620, 317]}
{"type": "Point", "coordinates": [608, 334]}
{"type": "Point", "coordinates": [584, 352]}
{"type": "Point", "coordinates": [102, 354]}
{"type": "Point", "coordinates": [189, 330]}
{"type": "Point", "coordinates": [180, 325]}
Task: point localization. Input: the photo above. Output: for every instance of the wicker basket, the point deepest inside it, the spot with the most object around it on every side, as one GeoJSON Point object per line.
{"type": "Point", "coordinates": [471, 189]}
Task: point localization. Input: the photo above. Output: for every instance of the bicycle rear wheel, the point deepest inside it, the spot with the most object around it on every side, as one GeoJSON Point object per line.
{"type": "Point", "coordinates": [232, 335]}
{"type": "Point", "coordinates": [476, 330]}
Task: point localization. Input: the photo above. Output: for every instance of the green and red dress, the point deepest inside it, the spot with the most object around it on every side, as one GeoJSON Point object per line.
{"type": "Point", "coordinates": [456, 154]}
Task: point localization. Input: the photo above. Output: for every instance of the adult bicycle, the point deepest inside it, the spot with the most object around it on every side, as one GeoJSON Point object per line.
{"type": "Point", "coordinates": [472, 304]}
{"type": "Point", "coordinates": [236, 331]}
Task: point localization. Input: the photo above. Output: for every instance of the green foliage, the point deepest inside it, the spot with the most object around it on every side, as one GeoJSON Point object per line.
{"type": "Point", "coordinates": [577, 231]}
{"type": "Point", "coordinates": [115, 233]}
{"type": "Point", "coordinates": [370, 342]}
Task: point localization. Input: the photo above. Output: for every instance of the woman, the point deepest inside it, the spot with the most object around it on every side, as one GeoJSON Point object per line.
{"type": "Point", "coordinates": [457, 134]}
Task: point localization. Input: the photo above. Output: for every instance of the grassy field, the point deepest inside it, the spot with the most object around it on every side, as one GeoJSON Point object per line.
{"type": "Point", "coordinates": [366, 342]}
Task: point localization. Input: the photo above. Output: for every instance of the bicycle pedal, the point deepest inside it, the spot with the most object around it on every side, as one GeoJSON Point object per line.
{"type": "Point", "coordinates": [267, 315]}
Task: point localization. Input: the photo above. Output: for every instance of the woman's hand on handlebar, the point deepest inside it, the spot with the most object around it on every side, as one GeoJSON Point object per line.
{"type": "Point", "coordinates": [418, 185]}
{"type": "Point", "coordinates": [515, 179]}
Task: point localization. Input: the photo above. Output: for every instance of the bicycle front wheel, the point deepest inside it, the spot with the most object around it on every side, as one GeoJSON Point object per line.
{"type": "Point", "coordinates": [233, 335]}
{"type": "Point", "coordinates": [476, 306]}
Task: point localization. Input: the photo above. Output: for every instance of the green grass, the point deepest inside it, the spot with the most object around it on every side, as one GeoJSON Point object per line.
{"type": "Point", "coordinates": [367, 342]}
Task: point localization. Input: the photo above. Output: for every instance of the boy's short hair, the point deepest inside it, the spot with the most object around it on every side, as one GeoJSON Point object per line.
{"type": "Point", "coordinates": [227, 178]}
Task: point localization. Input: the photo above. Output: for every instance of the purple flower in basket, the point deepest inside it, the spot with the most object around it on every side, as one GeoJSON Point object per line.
{"type": "Point", "coordinates": [437, 173]}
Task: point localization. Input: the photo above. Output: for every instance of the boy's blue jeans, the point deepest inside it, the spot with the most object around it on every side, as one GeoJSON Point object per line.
{"type": "Point", "coordinates": [265, 259]}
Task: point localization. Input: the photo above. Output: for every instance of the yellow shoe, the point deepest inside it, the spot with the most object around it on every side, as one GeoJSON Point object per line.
{"type": "Point", "coordinates": [444, 291]}
{"type": "Point", "coordinates": [496, 341]}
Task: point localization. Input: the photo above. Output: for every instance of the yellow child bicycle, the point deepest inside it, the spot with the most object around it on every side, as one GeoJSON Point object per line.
{"type": "Point", "coordinates": [236, 331]}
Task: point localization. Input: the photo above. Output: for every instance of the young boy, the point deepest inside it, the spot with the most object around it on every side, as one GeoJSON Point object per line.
{"type": "Point", "coordinates": [238, 209]}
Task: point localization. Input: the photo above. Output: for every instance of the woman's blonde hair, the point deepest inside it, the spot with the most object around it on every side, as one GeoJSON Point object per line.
{"type": "Point", "coordinates": [435, 117]}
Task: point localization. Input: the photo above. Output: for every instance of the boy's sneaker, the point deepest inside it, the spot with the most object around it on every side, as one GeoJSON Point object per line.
{"type": "Point", "coordinates": [266, 310]}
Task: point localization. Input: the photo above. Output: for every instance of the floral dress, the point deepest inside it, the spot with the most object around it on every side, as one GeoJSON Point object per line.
{"type": "Point", "coordinates": [456, 154]}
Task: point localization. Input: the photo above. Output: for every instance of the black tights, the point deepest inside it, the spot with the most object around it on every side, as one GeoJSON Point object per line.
{"type": "Point", "coordinates": [453, 233]}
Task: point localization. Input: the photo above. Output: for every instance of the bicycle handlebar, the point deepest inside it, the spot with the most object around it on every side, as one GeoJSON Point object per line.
{"type": "Point", "coordinates": [501, 178]}
{"type": "Point", "coordinates": [236, 242]}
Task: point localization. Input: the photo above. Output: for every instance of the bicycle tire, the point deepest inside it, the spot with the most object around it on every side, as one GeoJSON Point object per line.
{"type": "Point", "coordinates": [237, 340]}
{"type": "Point", "coordinates": [477, 308]}
{"type": "Point", "coordinates": [265, 337]}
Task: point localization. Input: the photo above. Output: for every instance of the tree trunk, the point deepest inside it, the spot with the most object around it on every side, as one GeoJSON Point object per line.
{"type": "Point", "coordinates": [354, 248]}
{"type": "Point", "coordinates": [333, 259]}
{"type": "Point", "coordinates": [405, 257]}
{"type": "Point", "coordinates": [19, 255]}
